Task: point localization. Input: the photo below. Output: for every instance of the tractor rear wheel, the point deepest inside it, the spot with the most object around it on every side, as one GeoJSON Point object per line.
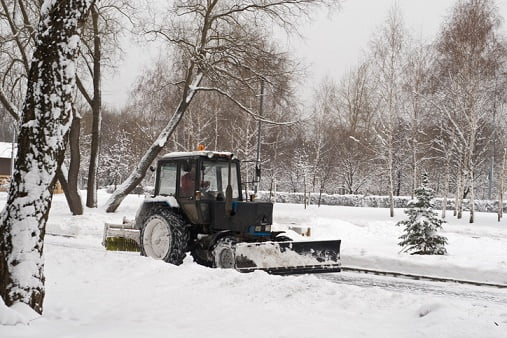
{"type": "Point", "coordinates": [164, 236]}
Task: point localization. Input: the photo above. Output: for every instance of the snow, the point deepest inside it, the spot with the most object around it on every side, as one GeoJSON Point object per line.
{"type": "Point", "coordinates": [197, 153]}
{"type": "Point", "coordinates": [91, 292]}
{"type": "Point", "coordinates": [170, 200]}
{"type": "Point", "coordinates": [270, 256]}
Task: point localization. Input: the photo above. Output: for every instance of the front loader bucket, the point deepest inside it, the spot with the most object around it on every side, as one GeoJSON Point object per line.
{"type": "Point", "coordinates": [284, 258]}
{"type": "Point", "coordinates": [121, 237]}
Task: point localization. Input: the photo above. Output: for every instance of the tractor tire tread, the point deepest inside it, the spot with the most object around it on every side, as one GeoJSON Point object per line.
{"type": "Point", "coordinates": [179, 230]}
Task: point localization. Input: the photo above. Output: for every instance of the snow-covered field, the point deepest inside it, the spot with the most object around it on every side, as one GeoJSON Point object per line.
{"type": "Point", "coordinates": [94, 293]}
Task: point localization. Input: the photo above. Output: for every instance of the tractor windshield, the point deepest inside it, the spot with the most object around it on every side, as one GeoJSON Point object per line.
{"type": "Point", "coordinates": [214, 179]}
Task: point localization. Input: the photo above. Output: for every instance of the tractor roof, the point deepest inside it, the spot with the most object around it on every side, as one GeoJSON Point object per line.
{"type": "Point", "coordinates": [204, 153]}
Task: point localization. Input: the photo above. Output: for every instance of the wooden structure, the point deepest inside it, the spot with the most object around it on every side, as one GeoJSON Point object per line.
{"type": "Point", "coordinates": [5, 164]}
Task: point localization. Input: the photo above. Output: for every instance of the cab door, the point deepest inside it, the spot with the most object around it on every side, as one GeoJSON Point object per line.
{"type": "Point", "coordinates": [189, 194]}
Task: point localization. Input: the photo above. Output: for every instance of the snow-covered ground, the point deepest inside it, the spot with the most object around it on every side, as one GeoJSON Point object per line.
{"type": "Point", "coordinates": [94, 293]}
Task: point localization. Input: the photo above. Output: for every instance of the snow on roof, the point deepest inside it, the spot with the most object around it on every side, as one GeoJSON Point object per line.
{"type": "Point", "coordinates": [6, 150]}
{"type": "Point", "coordinates": [197, 153]}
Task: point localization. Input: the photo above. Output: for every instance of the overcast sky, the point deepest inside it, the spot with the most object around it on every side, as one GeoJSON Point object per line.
{"type": "Point", "coordinates": [333, 43]}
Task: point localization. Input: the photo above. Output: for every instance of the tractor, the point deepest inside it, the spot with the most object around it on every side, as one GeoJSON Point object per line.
{"type": "Point", "coordinates": [198, 207]}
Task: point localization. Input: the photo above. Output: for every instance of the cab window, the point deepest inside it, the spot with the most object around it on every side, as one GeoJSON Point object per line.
{"type": "Point", "coordinates": [167, 180]}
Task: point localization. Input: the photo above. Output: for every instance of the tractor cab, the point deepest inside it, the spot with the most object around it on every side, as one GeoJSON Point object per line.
{"type": "Point", "coordinates": [198, 176]}
{"type": "Point", "coordinates": [207, 186]}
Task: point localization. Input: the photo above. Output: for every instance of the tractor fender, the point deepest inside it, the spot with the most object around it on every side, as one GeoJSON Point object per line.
{"type": "Point", "coordinates": [208, 242]}
{"type": "Point", "coordinates": [149, 203]}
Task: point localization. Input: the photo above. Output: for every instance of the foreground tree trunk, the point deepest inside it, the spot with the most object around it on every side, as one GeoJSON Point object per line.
{"type": "Point", "coordinates": [45, 122]}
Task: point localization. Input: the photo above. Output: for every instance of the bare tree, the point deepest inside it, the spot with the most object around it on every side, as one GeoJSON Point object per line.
{"type": "Point", "coordinates": [415, 86]}
{"type": "Point", "coordinates": [45, 122]}
{"type": "Point", "coordinates": [100, 45]}
{"type": "Point", "coordinates": [321, 128]}
{"type": "Point", "coordinates": [17, 38]}
{"type": "Point", "coordinates": [388, 51]}
{"type": "Point", "coordinates": [355, 114]}
{"type": "Point", "coordinates": [222, 44]}
{"type": "Point", "coordinates": [469, 57]}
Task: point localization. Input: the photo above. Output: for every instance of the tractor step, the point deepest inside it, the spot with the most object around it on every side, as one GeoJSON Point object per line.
{"type": "Point", "coordinates": [284, 258]}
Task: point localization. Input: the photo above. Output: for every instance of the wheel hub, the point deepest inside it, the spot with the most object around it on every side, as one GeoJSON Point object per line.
{"type": "Point", "coordinates": [156, 238]}
{"type": "Point", "coordinates": [224, 253]}
{"type": "Point", "coordinates": [226, 258]}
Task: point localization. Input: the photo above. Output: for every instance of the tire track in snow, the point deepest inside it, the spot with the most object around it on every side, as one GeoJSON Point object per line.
{"type": "Point", "coordinates": [420, 287]}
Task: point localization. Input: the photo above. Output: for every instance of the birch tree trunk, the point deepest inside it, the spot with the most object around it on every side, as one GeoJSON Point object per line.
{"type": "Point", "coordinates": [45, 122]}
{"type": "Point", "coordinates": [305, 201]}
{"type": "Point", "coordinates": [460, 189]}
{"type": "Point", "coordinates": [471, 200]}
{"type": "Point", "coordinates": [446, 187]}
{"type": "Point", "coordinates": [391, 183]}
{"type": "Point", "coordinates": [456, 196]}
{"type": "Point", "coordinates": [414, 169]}
{"type": "Point", "coordinates": [501, 186]}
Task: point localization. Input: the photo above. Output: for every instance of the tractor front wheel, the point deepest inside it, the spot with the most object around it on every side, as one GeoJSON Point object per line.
{"type": "Point", "coordinates": [224, 253]}
{"type": "Point", "coordinates": [164, 236]}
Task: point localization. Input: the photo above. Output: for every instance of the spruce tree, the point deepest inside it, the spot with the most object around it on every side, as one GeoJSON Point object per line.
{"type": "Point", "coordinates": [422, 225]}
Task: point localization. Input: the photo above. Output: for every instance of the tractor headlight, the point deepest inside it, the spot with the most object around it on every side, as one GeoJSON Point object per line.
{"type": "Point", "coordinates": [259, 228]}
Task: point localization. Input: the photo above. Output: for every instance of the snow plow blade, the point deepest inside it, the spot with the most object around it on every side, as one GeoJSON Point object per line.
{"type": "Point", "coordinates": [121, 237]}
{"type": "Point", "coordinates": [285, 258]}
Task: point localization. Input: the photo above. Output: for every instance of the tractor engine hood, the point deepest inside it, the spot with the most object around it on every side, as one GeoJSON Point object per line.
{"type": "Point", "coordinates": [244, 215]}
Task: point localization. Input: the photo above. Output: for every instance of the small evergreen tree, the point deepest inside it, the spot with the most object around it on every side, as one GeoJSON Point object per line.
{"type": "Point", "coordinates": [421, 227]}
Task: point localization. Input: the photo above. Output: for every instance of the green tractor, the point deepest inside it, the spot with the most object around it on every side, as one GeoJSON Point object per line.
{"type": "Point", "coordinates": [198, 207]}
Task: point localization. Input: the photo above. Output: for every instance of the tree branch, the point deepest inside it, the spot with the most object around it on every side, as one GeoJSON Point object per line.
{"type": "Point", "coordinates": [256, 116]}
{"type": "Point", "coordinates": [9, 106]}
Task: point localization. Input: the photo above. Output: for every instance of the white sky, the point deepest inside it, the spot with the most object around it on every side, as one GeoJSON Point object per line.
{"type": "Point", "coordinates": [333, 43]}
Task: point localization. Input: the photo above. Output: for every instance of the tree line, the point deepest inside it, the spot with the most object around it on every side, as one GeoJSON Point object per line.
{"type": "Point", "coordinates": [408, 107]}
{"type": "Point", "coordinates": [412, 107]}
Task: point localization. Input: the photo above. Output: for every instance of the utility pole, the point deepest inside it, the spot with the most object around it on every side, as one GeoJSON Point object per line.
{"type": "Point", "coordinates": [259, 123]}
